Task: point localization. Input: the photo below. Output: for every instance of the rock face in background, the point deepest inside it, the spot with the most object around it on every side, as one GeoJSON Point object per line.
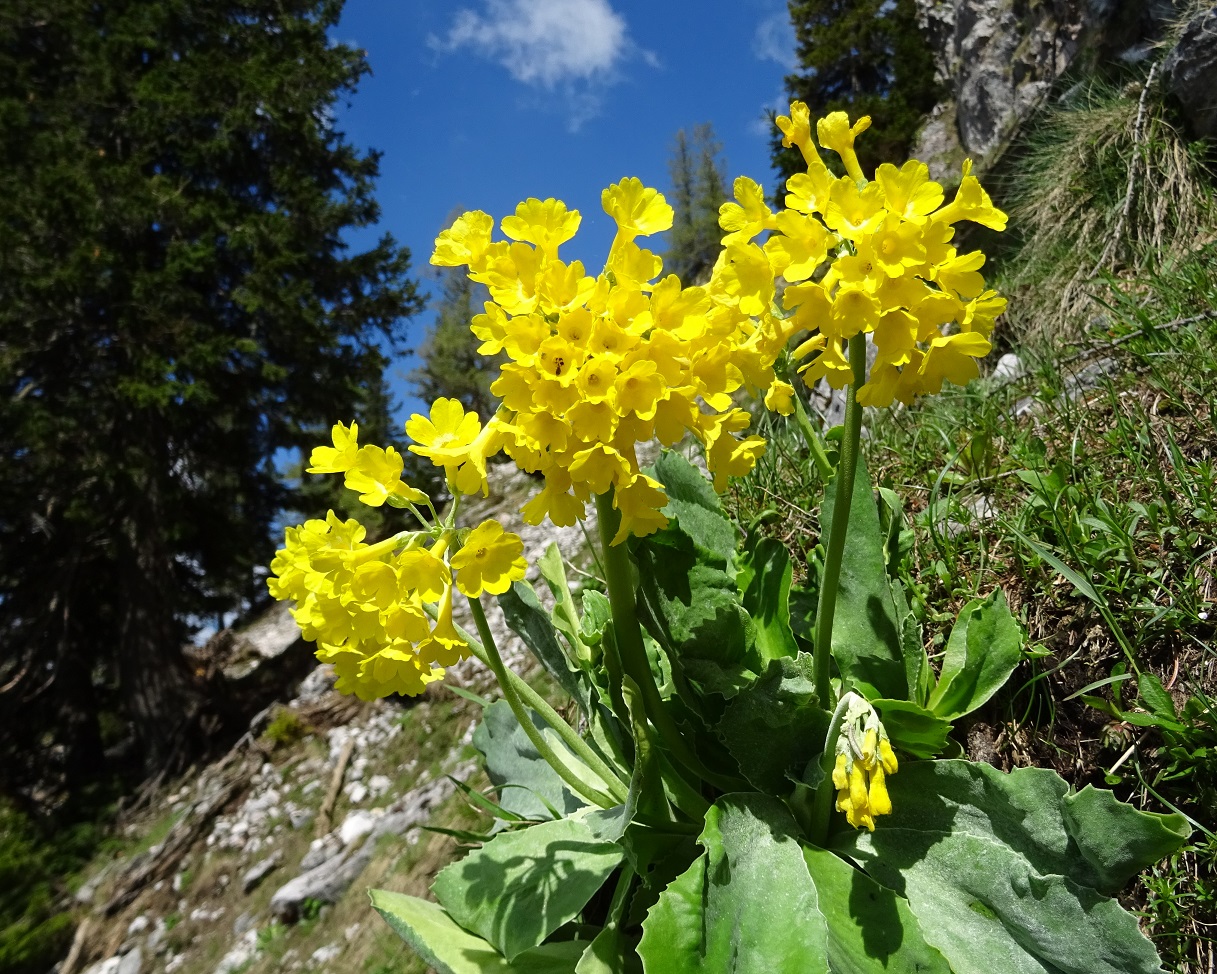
{"type": "Point", "coordinates": [999, 59]}
{"type": "Point", "coordinates": [1190, 74]}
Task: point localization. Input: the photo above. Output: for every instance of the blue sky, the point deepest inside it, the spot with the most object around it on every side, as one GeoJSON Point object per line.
{"type": "Point", "coordinates": [479, 104]}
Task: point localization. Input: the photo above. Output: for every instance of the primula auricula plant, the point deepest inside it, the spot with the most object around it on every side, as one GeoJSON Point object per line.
{"type": "Point", "coordinates": [687, 824]}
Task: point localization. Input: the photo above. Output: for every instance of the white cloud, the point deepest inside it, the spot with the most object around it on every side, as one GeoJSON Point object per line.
{"type": "Point", "coordinates": [543, 42]}
{"type": "Point", "coordinates": [774, 40]}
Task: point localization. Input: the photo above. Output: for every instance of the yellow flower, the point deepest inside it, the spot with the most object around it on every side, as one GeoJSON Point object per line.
{"type": "Point", "coordinates": [746, 217]}
{"type": "Point", "coordinates": [376, 475]}
{"type": "Point", "coordinates": [908, 191]}
{"type": "Point", "coordinates": [796, 131]}
{"type": "Point", "coordinates": [837, 134]}
{"type": "Point", "coordinates": [637, 209]}
{"type": "Point", "coordinates": [489, 560]}
{"type": "Point", "coordinates": [341, 456]}
{"type": "Point", "coordinates": [545, 223]}
{"type": "Point", "coordinates": [864, 759]}
{"type": "Point", "coordinates": [972, 203]}
{"type": "Point", "coordinates": [780, 398]}
{"type": "Point", "coordinates": [444, 435]}
{"type": "Point", "coordinates": [641, 502]}
{"type": "Point", "coordinates": [465, 242]}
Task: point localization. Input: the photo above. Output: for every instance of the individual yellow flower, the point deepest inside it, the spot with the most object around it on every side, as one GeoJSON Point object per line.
{"type": "Point", "coordinates": [972, 203]}
{"type": "Point", "coordinates": [444, 435]}
{"type": "Point", "coordinates": [864, 759]}
{"type": "Point", "coordinates": [908, 191]}
{"type": "Point", "coordinates": [641, 502]}
{"type": "Point", "coordinates": [341, 456]}
{"type": "Point", "coordinates": [489, 560]}
{"type": "Point", "coordinates": [465, 242]}
{"type": "Point", "coordinates": [637, 209]}
{"type": "Point", "coordinates": [748, 215]}
{"type": "Point", "coordinates": [376, 476]}
{"type": "Point", "coordinates": [546, 223]}
{"type": "Point", "coordinates": [780, 398]}
{"type": "Point", "coordinates": [796, 131]}
{"type": "Point", "coordinates": [836, 133]}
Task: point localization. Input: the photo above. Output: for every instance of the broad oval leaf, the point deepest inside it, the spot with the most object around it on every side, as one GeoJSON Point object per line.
{"type": "Point", "coordinates": [521, 886]}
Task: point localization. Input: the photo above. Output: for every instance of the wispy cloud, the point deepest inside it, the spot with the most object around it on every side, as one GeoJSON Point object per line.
{"type": "Point", "coordinates": [549, 43]}
{"type": "Point", "coordinates": [774, 40]}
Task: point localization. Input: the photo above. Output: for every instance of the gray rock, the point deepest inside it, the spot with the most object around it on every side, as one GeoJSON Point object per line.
{"type": "Point", "coordinates": [259, 871]}
{"type": "Point", "coordinates": [132, 962]}
{"type": "Point", "coordinates": [240, 955]}
{"type": "Point", "coordinates": [1190, 74]}
{"type": "Point", "coordinates": [998, 60]}
{"type": "Point", "coordinates": [327, 881]}
{"type": "Point", "coordinates": [1009, 367]}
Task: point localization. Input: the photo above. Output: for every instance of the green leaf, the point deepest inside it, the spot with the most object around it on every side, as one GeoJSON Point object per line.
{"type": "Point", "coordinates": [1116, 840]}
{"type": "Point", "coordinates": [446, 946]}
{"type": "Point", "coordinates": [596, 615]}
{"type": "Point", "coordinates": [672, 933]}
{"type": "Point", "coordinates": [695, 507]}
{"type": "Point", "coordinates": [870, 928]}
{"type": "Point", "coordinates": [604, 955]}
{"type": "Point", "coordinates": [690, 607]}
{"type": "Point", "coordinates": [866, 639]}
{"type": "Point", "coordinates": [748, 906]}
{"type": "Point", "coordinates": [528, 619]}
{"type": "Point", "coordinates": [520, 887]}
{"type": "Point", "coordinates": [527, 785]}
{"type": "Point", "coordinates": [983, 650]}
{"type": "Point", "coordinates": [774, 726]}
{"type": "Point", "coordinates": [1000, 875]}
{"type": "Point", "coordinates": [565, 616]}
{"type": "Point", "coordinates": [1156, 697]}
{"type": "Point", "coordinates": [764, 582]}
{"type": "Point", "coordinates": [912, 728]}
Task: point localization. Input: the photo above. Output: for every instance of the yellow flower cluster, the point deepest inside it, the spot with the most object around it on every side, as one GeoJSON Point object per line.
{"type": "Point", "coordinates": [864, 760]}
{"type": "Point", "coordinates": [598, 364]}
{"type": "Point", "coordinates": [866, 257]}
{"type": "Point", "coordinates": [369, 607]}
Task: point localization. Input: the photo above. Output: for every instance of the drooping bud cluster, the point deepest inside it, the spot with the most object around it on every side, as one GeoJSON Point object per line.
{"type": "Point", "coordinates": [598, 364]}
{"type": "Point", "coordinates": [871, 258]}
{"type": "Point", "coordinates": [864, 760]}
{"type": "Point", "coordinates": [382, 613]}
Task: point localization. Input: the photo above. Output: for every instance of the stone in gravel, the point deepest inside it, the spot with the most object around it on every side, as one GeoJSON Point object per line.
{"type": "Point", "coordinates": [356, 825]}
{"type": "Point", "coordinates": [240, 955]}
{"type": "Point", "coordinates": [319, 851]}
{"type": "Point", "coordinates": [357, 791]}
{"type": "Point", "coordinates": [323, 955]}
{"type": "Point", "coordinates": [300, 817]}
{"type": "Point", "coordinates": [259, 871]}
{"type": "Point", "coordinates": [138, 925]}
{"type": "Point", "coordinates": [245, 922]}
{"type": "Point", "coordinates": [131, 962]}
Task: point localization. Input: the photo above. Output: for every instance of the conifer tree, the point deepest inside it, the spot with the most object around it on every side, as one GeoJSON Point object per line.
{"type": "Point", "coordinates": [698, 190]}
{"type": "Point", "coordinates": [451, 364]}
{"type": "Point", "coordinates": [177, 308]}
{"type": "Point", "coordinates": [865, 57]}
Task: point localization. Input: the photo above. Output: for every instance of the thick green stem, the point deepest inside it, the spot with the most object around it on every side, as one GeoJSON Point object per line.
{"type": "Point", "coordinates": [843, 498]}
{"type": "Point", "coordinates": [511, 685]}
{"type": "Point", "coordinates": [628, 634]}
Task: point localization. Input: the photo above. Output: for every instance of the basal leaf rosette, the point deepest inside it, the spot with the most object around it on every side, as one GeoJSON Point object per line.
{"type": "Point", "coordinates": [867, 257]}
{"type": "Point", "coordinates": [382, 613]}
{"type": "Point", "coordinates": [597, 365]}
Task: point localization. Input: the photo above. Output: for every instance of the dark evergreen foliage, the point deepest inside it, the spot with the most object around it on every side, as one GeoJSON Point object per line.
{"type": "Point", "coordinates": [451, 365]}
{"type": "Point", "coordinates": [177, 307]}
{"type": "Point", "coordinates": [864, 57]}
{"type": "Point", "coordinates": [698, 190]}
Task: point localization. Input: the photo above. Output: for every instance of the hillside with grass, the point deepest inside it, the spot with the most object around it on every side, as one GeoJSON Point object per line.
{"type": "Point", "coordinates": [1079, 475]}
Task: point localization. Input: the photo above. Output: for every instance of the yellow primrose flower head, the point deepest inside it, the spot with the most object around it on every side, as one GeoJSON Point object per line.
{"type": "Point", "coordinates": [864, 760]}
{"type": "Point", "coordinates": [596, 365]}
{"type": "Point", "coordinates": [863, 258]}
